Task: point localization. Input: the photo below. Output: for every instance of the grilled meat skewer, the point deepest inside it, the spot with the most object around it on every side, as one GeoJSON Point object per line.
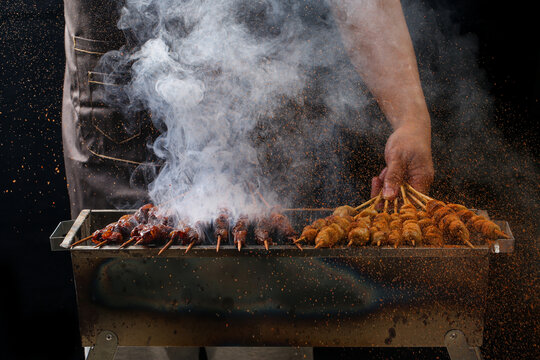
{"type": "Point", "coordinates": [263, 229]}
{"type": "Point", "coordinates": [221, 225]}
{"type": "Point", "coordinates": [240, 231]}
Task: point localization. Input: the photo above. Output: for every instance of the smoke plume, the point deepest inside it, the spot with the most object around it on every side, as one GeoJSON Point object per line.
{"type": "Point", "coordinates": [210, 72]}
{"type": "Point", "coordinates": [260, 97]}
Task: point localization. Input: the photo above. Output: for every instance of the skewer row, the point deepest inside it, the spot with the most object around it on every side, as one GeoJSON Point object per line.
{"type": "Point", "coordinates": [415, 219]}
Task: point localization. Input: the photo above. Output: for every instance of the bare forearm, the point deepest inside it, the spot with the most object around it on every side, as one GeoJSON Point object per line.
{"type": "Point", "coordinates": [378, 42]}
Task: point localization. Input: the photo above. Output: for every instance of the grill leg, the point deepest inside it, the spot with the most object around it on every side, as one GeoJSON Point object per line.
{"type": "Point", "coordinates": [105, 347]}
{"type": "Point", "coordinates": [458, 348]}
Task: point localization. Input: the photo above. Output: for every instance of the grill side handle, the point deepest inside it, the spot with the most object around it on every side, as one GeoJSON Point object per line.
{"type": "Point", "coordinates": [59, 234]}
{"type": "Point", "coordinates": [67, 232]}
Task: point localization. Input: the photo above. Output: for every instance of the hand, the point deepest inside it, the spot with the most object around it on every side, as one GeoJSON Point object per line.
{"type": "Point", "coordinates": [408, 158]}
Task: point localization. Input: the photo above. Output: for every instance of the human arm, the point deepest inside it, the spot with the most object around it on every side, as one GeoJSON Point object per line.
{"type": "Point", "coordinates": [377, 39]}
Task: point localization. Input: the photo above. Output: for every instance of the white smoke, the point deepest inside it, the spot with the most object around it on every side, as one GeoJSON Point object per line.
{"type": "Point", "coordinates": [214, 73]}
{"type": "Point", "coordinates": [208, 71]}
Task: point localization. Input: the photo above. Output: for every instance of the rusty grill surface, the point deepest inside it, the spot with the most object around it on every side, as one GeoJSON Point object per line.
{"type": "Point", "coordinates": [366, 296]}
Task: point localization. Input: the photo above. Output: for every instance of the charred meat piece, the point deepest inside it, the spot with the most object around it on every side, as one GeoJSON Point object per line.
{"type": "Point", "coordinates": [282, 225]}
{"type": "Point", "coordinates": [240, 231]}
{"type": "Point", "coordinates": [221, 228]}
{"type": "Point", "coordinates": [144, 212]}
{"type": "Point", "coordinates": [263, 230]}
{"type": "Point", "coordinates": [146, 234]}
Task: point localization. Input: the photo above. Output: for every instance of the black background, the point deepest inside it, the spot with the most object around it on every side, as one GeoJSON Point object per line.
{"type": "Point", "coordinates": [37, 307]}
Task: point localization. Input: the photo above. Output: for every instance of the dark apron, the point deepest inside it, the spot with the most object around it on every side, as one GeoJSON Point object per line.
{"type": "Point", "coordinates": [104, 158]}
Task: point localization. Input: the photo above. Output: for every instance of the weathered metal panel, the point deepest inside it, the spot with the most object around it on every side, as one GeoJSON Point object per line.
{"type": "Point", "coordinates": [316, 297]}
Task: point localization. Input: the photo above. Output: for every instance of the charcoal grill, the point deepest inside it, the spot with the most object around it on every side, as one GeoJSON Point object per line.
{"type": "Point", "coordinates": [357, 297]}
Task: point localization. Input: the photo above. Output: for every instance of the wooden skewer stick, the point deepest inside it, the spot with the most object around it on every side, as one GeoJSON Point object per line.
{"type": "Point", "coordinates": [81, 241]}
{"type": "Point", "coordinates": [418, 193]}
{"type": "Point", "coordinates": [263, 200]}
{"type": "Point", "coordinates": [300, 239]}
{"type": "Point", "coordinates": [309, 209]}
{"type": "Point", "coordinates": [395, 206]}
{"type": "Point", "coordinates": [299, 246]}
{"type": "Point", "coordinates": [101, 244]}
{"type": "Point", "coordinates": [189, 247]}
{"type": "Point", "coordinates": [253, 199]}
{"type": "Point", "coordinates": [365, 204]}
{"type": "Point", "coordinates": [165, 247]}
{"type": "Point", "coordinates": [173, 198]}
{"type": "Point", "coordinates": [405, 200]}
{"type": "Point", "coordinates": [218, 243]}
{"type": "Point", "coordinates": [266, 244]}
{"type": "Point", "coordinates": [253, 192]}
{"type": "Point", "coordinates": [385, 205]}
{"type": "Point", "coordinates": [377, 200]}
{"type": "Point", "coordinates": [468, 243]}
{"type": "Point", "coordinates": [417, 201]}
{"type": "Point", "coordinates": [501, 234]}
{"type": "Point", "coordinates": [239, 244]}
{"type": "Point", "coordinates": [127, 242]}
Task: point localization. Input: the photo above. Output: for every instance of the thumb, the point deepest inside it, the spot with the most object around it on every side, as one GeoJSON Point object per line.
{"type": "Point", "coordinates": [376, 186]}
{"type": "Point", "coordinates": [393, 179]}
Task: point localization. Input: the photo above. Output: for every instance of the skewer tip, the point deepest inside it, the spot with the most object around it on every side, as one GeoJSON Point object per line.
{"type": "Point", "coordinates": [239, 244]}
{"type": "Point", "coordinates": [468, 243]}
{"type": "Point", "coordinates": [80, 241]}
{"type": "Point", "coordinates": [189, 247]}
{"type": "Point", "coordinates": [165, 247]}
{"type": "Point", "coordinates": [298, 240]}
{"type": "Point", "coordinates": [127, 243]}
{"type": "Point", "coordinates": [101, 244]}
{"type": "Point", "coordinates": [502, 234]}
{"type": "Point", "coordinates": [266, 244]}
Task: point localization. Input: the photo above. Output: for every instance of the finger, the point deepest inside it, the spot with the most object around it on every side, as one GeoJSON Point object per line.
{"type": "Point", "coordinates": [376, 186]}
{"type": "Point", "coordinates": [382, 175]}
{"type": "Point", "coordinates": [393, 179]}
